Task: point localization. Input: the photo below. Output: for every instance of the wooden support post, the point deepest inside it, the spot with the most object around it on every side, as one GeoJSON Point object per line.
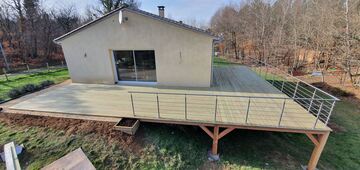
{"type": "Point", "coordinates": [214, 149]}
{"type": "Point", "coordinates": [207, 131]}
{"type": "Point", "coordinates": [225, 132]}
{"type": "Point", "coordinates": [319, 146]}
{"type": "Point", "coordinates": [215, 136]}
{"type": "Point", "coordinates": [313, 139]}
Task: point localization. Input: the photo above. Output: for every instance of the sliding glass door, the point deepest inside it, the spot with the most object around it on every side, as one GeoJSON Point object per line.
{"type": "Point", "coordinates": [138, 65]}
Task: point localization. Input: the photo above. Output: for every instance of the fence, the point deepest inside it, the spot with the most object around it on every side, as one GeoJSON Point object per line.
{"type": "Point", "coordinates": [24, 69]}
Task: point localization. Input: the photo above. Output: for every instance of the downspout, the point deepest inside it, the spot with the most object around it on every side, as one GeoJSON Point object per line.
{"type": "Point", "coordinates": [212, 63]}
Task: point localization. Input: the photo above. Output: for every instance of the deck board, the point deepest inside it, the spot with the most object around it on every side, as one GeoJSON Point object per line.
{"type": "Point", "coordinates": [114, 100]}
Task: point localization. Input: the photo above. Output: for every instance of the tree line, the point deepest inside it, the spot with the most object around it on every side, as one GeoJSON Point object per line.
{"type": "Point", "coordinates": [27, 29]}
{"type": "Point", "coordinates": [316, 34]}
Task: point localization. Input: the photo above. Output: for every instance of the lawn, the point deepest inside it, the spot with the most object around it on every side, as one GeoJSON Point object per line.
{"type": "Point", "coordinates": [17, 81]}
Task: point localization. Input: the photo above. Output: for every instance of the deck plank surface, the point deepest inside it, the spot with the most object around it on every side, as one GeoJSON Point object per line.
{"type": "Point", "coordinates": [114, 101]}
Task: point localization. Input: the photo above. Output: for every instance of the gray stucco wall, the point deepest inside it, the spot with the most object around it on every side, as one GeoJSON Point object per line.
{"type": "Point", "coordinates": [89, 52]}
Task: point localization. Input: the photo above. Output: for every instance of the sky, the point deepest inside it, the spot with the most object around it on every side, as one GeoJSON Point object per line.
{"type": "Point", "coordinates": [185, 10]}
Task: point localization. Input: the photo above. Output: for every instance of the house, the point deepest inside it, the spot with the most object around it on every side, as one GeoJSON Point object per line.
{"type": "Point", "coordinates": [131, 46]}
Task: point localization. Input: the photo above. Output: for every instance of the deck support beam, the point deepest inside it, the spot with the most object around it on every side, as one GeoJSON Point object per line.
{"type": "Point", "coordinates": [214, 148]}
{"type": "Point", "coordinates": [215, 136]}
{"type": "Point", "coordinates": [319, 143]}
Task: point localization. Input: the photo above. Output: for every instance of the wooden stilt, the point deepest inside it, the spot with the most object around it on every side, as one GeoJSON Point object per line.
{"type": "Point", "coordinates": [214, 149]}
{"type": "Point", "coordinates": [216, 136]}
{"type": "Point", "coordinates": [319, 146]}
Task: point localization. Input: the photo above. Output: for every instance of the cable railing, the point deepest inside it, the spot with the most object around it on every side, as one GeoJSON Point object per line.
{"type": "Point", "coordinates": [302, 107]}
{"type": "Point", "coordinates": [227, 109]}
{"type": "Point", "coordinates": [316, 101]}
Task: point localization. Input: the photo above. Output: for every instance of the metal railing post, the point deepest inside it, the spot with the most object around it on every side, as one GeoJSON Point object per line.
{"type": "Point", "coordinates": [185, 108]}
{"type": "Point", "coordinates": [318, 114]}
{"type": "Point", "coordinates": [282, 112]}
{"type": "Point", "coordinates": [282, 86]}
{"type": "Point", "coordinates": [132, 104]}
{"type": "Point", "coordinates": [296, 88]}
{"type": "Point", "coordinates": [158, 107]}
{"type": "Point", "coordinates": [247, 111]}
{"type": "Point", "coordinates": [312, 100]}
{"type": "Point", "coordinates": [216, 104]}
{"type": "Point", "coordinates": [331, 109]}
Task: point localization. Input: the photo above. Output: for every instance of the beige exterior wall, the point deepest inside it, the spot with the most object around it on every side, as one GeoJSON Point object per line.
{"type": "Point", "coordinates": [183, 57]}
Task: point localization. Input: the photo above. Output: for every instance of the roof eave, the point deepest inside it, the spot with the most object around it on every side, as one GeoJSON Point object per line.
{"type": "Point", "coordinates": [59, 39]}
{"type": "Point", "coordinates": [173, 22]}
{"type": "Point", "coordinates": [140, 12]}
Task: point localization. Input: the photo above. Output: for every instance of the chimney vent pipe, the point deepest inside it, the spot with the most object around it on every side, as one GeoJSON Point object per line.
{"type": "Point", "coordinates": [161, 11]}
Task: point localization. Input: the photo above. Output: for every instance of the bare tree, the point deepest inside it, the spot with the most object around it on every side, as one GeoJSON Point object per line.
{"type": "Point", "coordinates": [297, 34]}
{"type": "Point", "coordinates": [109, 5]}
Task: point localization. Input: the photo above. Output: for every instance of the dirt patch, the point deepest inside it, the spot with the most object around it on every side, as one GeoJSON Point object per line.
{"type": "Point", "coordinates": [71, 126]}
{"type": "Point", "coordinates": [333, 90]}
{"type": "Point", "coordinates": [285, 160]}
{"type": "Point", "coordinates": [336, 128]}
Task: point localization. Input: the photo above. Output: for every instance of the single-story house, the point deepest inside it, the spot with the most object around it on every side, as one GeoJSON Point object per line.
{"type": "Point", "coordinates": [132, 46]}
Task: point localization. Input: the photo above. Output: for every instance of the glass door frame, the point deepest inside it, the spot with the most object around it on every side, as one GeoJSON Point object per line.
{"type": "Point", "coordinates": [127, 82]}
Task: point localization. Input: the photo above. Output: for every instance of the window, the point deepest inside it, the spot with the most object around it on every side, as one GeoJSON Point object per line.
{"type": "Point", "coordinates": [138, 65]}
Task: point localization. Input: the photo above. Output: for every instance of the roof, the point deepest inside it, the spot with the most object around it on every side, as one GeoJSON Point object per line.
{"type": "Point", "coordinates": [138, 11]}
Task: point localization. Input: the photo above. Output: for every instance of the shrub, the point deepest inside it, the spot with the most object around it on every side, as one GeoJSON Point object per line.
{"type": "Point", "coordinates": [46, 83]}
{"type": "Point", "coordinates": [29, 88]}
{"type": "Point", "coordinates": [14, 93]}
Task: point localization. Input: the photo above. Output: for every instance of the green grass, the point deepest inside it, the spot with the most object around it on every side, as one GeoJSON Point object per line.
{"type": "Point", "coordinates": [58, 75]}
{"type": "Point", "coordinates": [185, 147]}
{"type": "Point", "coordinates": [221, 62]}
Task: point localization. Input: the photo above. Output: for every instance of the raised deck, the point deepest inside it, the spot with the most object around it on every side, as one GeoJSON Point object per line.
{"type": "Point", "coordinates": [239, 98]}
{"type": "Point", "coordinates": [226, 103]}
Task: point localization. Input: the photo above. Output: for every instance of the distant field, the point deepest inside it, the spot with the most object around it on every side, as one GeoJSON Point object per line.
{"type": "Point", "coordinates": [19, 80]}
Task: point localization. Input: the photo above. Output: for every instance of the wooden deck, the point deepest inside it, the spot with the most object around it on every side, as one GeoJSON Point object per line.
{"type": "Point", "coordinates": [114, 101]}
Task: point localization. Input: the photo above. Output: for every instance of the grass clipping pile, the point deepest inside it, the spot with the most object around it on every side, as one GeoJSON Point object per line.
{"type": "Point", "coordinates": [69, 126]}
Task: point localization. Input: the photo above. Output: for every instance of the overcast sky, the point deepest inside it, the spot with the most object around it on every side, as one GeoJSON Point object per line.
{"type": "Point", "coordinates": [185, 10]}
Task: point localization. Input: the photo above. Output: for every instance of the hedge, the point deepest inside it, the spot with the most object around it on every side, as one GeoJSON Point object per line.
{"type": "Point", "coordinates": [29, 88]}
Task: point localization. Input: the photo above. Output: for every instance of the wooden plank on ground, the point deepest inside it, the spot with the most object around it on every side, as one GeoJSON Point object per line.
{"type": "Point", "coordinates": [11, 159]}
{"type": "Point", "coordinates": [72, 161]}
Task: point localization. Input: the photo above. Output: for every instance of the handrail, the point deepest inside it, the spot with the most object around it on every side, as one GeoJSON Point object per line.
{"type": "Point", "coordinates": [214, 95]}
{"type": "Point", "coordinates": [335, 98]}
{"type": "Point", "coordinates": [222, 95]}
{"type": "Point", "coordinates": [315, 101]}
